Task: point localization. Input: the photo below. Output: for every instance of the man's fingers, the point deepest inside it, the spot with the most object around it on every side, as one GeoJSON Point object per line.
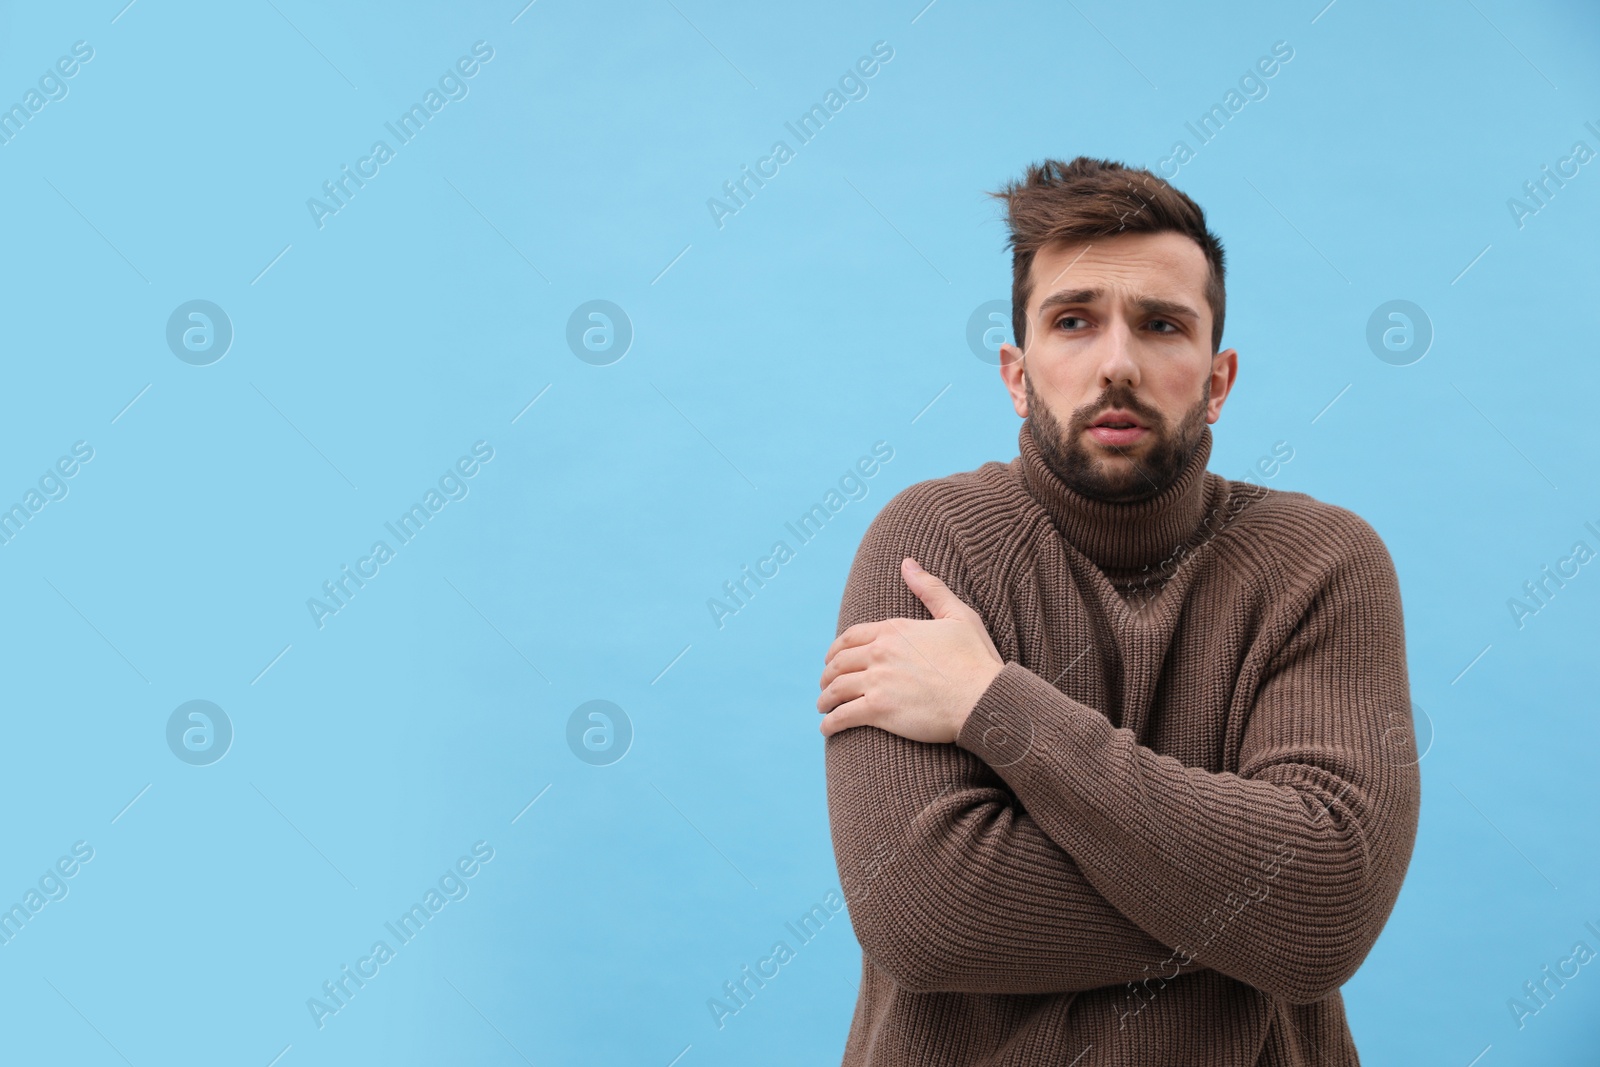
{"type": "Point", "coordinates": [940, 601]}
{"type": "Point", "coordinates": [844, 688]}
{"type": "Point", "coordinates": [844, 661]}
{"type": "Point", "coordinates": [851, 713]}
{"type": "Point", "coordinates": [859, 634]}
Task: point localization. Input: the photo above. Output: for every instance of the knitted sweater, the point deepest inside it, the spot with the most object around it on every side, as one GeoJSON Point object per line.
{"type": "Point", "coordinates": [1176, 821]}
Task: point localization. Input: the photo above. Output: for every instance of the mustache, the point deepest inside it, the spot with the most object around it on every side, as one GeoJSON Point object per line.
{"type": "Point", "coordinates": [1084, 417]}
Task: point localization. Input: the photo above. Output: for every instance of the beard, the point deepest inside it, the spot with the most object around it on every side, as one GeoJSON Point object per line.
{"type": "Point", "coordinates": [1153, 464]}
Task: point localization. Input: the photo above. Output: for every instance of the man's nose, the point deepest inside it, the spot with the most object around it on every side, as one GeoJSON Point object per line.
{"type": "Point", "coordinates": [1119, 363]}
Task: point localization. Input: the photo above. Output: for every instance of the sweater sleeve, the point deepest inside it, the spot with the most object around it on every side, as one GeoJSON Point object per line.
{"type": "Point", "coordinates": [950, 885]}
{"type": "Point", "coordinates": [1283, 874]}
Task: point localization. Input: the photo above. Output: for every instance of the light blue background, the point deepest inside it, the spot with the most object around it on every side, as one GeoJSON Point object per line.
{"type": "Point", "coordinates": [768, 355]}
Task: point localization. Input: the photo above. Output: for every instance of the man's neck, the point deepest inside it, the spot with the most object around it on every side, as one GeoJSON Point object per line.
{"type": "Point", "coordinates": [1123, 536]}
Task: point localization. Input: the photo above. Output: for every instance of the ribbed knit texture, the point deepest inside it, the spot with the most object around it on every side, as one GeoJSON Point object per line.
{"type": "Point", "coordinates": [1177, 820]}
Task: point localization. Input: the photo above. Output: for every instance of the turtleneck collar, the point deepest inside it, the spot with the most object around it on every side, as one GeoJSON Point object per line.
{"type": "Point", "coordinates": [1123, 536]}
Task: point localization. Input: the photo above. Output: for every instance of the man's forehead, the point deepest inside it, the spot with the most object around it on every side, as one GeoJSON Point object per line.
{"type": "Point", "coordinates": [1146, 262]}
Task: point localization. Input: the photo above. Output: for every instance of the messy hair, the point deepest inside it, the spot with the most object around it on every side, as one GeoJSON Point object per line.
{"type": "Point", "coordinates": [1089, 198]}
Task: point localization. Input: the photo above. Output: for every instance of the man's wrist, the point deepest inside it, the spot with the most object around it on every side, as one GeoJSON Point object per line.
{"type": "Point", "coordinates": [966, 713]}
{"type": "Point", "coordinates": [1001, 728]}
{"type": "Point", "coordinates": [978, 718]}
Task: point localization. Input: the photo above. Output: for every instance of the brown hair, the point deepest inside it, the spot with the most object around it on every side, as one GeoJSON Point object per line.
{"type": "Point", "coordinates": [1090, 198]}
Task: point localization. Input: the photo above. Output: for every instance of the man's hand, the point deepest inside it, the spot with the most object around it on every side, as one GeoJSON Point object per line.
{"type": "Point", "coordinates": [918, 678]}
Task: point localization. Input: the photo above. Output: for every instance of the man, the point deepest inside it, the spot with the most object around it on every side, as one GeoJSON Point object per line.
{"type": "Point", "coordinates": [1120, 758]}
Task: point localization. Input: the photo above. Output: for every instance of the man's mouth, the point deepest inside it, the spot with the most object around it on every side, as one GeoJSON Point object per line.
{"type": "Point", "coordinates": [1117, 428]}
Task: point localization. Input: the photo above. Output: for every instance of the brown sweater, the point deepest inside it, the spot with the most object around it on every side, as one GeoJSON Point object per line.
{"type": "Point", "coordinates": [1175, 822]}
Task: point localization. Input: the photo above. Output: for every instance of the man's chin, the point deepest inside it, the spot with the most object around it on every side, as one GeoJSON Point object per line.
{"type": "Point", "coordinates": [1120, 490]}
{"type": "Point", "coordinates": [1105, 475]}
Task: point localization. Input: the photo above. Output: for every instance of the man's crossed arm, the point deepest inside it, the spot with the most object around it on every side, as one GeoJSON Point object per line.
{"type": "Point", "coordinates": [1118, 863]}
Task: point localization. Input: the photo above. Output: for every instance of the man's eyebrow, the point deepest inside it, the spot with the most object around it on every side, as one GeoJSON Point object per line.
{"type": "Point", "coordinates": [1150, 305]}
{"type": "Point", "coordinates": [1154, 305]}
{"type": "Point", "coordinates": [1063, 297]}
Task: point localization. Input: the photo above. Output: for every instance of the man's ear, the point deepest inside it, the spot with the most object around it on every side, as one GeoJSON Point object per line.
{"type": "Point", "coordinates": [1011, 370]}
{"type": "Point", "coordinates": [1224, 369]}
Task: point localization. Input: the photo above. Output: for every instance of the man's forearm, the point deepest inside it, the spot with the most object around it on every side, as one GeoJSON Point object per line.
{"type": "Point", "coordinates": [1310, 836]}
{"type": "Point", "coordinates": [952, 887]}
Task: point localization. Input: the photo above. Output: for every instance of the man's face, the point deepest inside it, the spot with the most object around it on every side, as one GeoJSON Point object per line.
{"type": "Point", "coordinates": [1118, 331]}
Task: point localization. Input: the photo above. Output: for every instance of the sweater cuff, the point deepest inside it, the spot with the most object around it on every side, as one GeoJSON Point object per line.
{"type": "Point", "coordinates": [1005, 723]}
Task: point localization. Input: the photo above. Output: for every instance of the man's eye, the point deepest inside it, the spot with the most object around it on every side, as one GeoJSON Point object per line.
{"type": "Point", "coordinates": [1164, 322]}
{"type": "Point", "coordinates": [1068, 318]}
